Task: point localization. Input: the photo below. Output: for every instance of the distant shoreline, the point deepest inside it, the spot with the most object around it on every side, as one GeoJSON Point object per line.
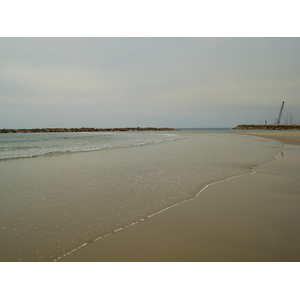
{"type": "Point", "coordinates": [267, 127]}
{"type": "Point", "coordinates": [84, 129]}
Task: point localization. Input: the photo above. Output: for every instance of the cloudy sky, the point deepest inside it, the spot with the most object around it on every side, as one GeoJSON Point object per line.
{"type": "Point", "coordinates": [124, 82]}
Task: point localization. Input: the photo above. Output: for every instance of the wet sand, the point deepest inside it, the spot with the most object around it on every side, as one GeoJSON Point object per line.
{"type": "Point", "coordinates": [249, 218]}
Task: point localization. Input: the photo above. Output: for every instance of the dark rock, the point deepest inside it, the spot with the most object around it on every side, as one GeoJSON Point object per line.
{"type": "Point", "coordinates": [267, 127]}
{"type": "Point", "coordinates": [83, 129]}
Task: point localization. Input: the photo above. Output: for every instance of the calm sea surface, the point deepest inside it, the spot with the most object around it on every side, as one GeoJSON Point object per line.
{"type": "Point", "coordinates": [60, 191]}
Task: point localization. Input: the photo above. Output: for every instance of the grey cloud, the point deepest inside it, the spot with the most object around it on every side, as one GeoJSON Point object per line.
{"type": "Point", "coordinates": [169, 81]}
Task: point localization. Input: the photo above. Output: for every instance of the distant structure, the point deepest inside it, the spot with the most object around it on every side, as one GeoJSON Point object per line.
{"type": "Point", "coordinates": [280, 113]}
{"type": "Point", "coordinates": [289, 119]}
{"type": "Point", "coordinates": [288, 123]}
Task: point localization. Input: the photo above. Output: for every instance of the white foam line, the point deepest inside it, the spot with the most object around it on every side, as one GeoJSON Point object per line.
{"type": "Point", "coordinates": [81, 246]}
{"type": "Point", "coordinates": [150, 216]}
{"type": "Point", "coordinates": [202, 190]}
{"type": "Point", "coordinates": [132, 224]}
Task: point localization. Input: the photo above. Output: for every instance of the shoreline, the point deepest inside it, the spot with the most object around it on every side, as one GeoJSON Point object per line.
{"type": "Point", "coordinates": [247, 218]}
{"type": "Point", "coordinates": [74, 199]}
{"type": "Point", "coordinates": [152, 215]}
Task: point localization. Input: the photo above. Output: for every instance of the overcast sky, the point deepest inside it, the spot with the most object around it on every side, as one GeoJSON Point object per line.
{"type": "Point", "coordinates": [124, 82]}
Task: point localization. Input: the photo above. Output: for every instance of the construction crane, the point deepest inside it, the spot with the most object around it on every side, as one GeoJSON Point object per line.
{"type": "Point", "coordinates": [280, 113]}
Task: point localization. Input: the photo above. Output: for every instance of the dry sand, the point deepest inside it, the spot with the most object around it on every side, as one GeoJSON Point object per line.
{"type": "Point", "coordinates": [249, 218]}
{"type": "Point", "coordinates": [285, 137]}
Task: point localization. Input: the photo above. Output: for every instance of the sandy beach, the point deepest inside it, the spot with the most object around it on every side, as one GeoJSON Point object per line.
{"type": "Point", "coordinates": [287, 137]}
{"type": "Point", "coordinates": [248, 218]}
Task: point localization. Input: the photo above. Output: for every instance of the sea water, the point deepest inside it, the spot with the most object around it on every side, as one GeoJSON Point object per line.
{"type": "Point", "coordinates": [28, 145]}
{"type": "Point", "coordinates": [60, 191]}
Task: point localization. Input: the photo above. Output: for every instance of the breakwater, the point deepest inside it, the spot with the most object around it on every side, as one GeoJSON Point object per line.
{"type": "Point", "coordinates": [84, 129]}
{"type": "Point", "coordinates": [268, 127]}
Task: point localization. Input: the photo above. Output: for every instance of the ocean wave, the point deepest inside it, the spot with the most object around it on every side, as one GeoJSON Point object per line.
{"type": "Point", "coordinates": [166, 134]}
{"type": "Point", "coordinates": [23, 152]}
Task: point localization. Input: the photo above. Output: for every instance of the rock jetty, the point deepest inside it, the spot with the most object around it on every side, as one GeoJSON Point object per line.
{"type": "Point", "coordinates": [84, 129]}
{"type": "Point", "coordinates": [268, 127]}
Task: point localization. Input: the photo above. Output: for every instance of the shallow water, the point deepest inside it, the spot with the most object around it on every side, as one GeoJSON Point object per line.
{"type": "Point", "coordinates": [29, 145]}
{"type": "Point", "coordinates": [51, 205]}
